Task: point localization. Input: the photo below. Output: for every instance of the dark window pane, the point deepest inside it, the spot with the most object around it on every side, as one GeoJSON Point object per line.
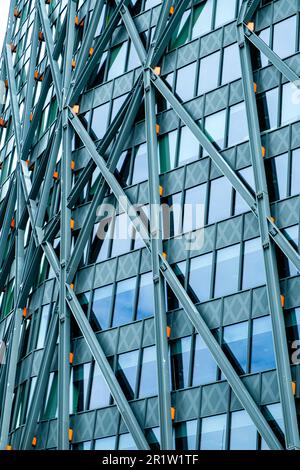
{"type": "Point", "coordinates": [262, 345]}
{"type": "Point", "coordinates": [180, 358]}
{"type": "Point", "coordinates": [227, 270]}
{"type": "Point", "coordinates": [123, 311]}
{"type": "Point", "coordinates": [80, 386]}
{"type": "Point", "coordinates": [277, 176]}
{"type": "Point", "coordinates": [235, 342]}
{"type": "Point", "coordinates": [185, 435]}
{"type": "Point", "coordinates": [275, 418]}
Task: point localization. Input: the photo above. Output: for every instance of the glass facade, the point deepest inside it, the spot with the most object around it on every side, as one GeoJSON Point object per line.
{"type": "Point", "coordinates": [209, 234]}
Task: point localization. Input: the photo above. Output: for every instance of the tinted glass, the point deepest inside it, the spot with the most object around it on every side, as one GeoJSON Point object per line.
{"type": "Point", "coordinates": [215, 128]}
{"type": "Point", "coordinates": [213, 433]}
{"type": "Point", "coordinates": [140, 165]}
{"type": "Point", "coordinates": [185, 435]}
{"type": "Point", "coordinates": [238, 126]}
{"type": "Point", "coordinates": [189, 146]}
{"type": "Point", "coordinates": [254, 267]}
{"type": "Point", "coordinates": [123, 311]}
{"type": "Point", "coordinates": [243, 432]}
{"type": "Point", "coordinates": [262, 345]}
{"type": "Point", "coordinates": [126, 372]}
{"type": "Point", "coordinates": [285, 37]}
{"type": "Point", "coordinates": [185, 82]}
{"type": "Point", "coordinates": [225, 11]}
{"type": "Point", "coordinates": [194, 208]}
{"type": "Point", "coordinates": [235, 339]}
{"type": "Point", "coordinates": [227, 270]}
{"type": "Point", "coordinates": [200, 277]}
{"type": "Point", "coordinates": [205, 368]}
{"type": "Point", "coordinates": [209, 73]}
{"type": "Point", "coordinates": [202, 18]}
{"type": "Point", "coordinates": [290, 104]}
{"type": "Point", "coordinates": [148, 381]}
{"type": "Point", "coordinates": [295, 184]}
{"type": "Point", "coordinates": [145, 306]}
{"type": "Point", "coordinates": [100, 313]}
{"type": "Point", "coordinates": [220, 200]}
{"type": "Point", "coordinates": [231, 64]}
{"type": "Point", "coordinates": [181, 354]}
{"type": "Point", "coordinates": [100, 395]}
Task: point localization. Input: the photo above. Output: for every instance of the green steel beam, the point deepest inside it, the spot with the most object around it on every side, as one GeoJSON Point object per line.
{"type": "Point", "coordinates": [56, 76]}
{"type": "Point", "coordinates": [272, 279]}
{"type": "Point", "coordinates": [160, 317]}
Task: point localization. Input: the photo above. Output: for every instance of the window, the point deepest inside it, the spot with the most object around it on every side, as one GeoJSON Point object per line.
{"type": "Point", "coordinates": [50, 410]}
{"type": "Point", "coordinates": [243, 433]}
{"type": "Point", "coordinates": [290, 104]}
{"type": "Point", "coordinates": [220, 200]}
{"type": "Point", "coordinates": [100, 313]}
{"type": "Point", "coordinates": [145, 307]}
{"type": "Point", "coordinates": [185, 82]}
{"type": "Point", "coordinates": [172, 215]}
{"type": "Point", "coordinates": [227, 270]}
{"type": "Point", "coordinates": [205, 367]}
{"type": "Point", "coordinates": [189, 146]}
{"type": "Point", "coordinates": [43, 328]}
{"type": "Point", "coordinates": [185, 435]}
{"type": "Point", "coordinates": [81, 375]}
{"type": "Point", "coordinates": [254, 267]}
{"type": "Point", "coordinates": [167, 151]}
{"type": "Point", "coordinates": [194, 208]}
{"type": "Point", "coordinates": [247, 176]}
{"type": "Point", "coordinates": [238, 125]}
{"type": "Point", "coordinates": [209, 73]}
{"type": "Point", "coordinates": [265, 36]}
{"type": "Point", "coordinates": [292, 234]}
{"type": "Point", "coordinates": [200, 278]}
{"type": "Point", "coordinates": [100, 395]}
{"type": "Point", "coordinates": [202, 18]}
{"type": "Point", "coordinates": [140, 165]}
{"type": "Point", "coordinates": [213, 433]}
{"type": "Point", "coordinates": [235, 339]}
{"type": "Point", "coordinates": [122, 237]}
{"type": "Point", "coordinates": [124, 302]}
{"type": "Point", "coordinates": [126, 442]}
{"type": "Point", "coordinates": [100, 120]}
{"type": "Point", "coordinates": [153, 438]}
{"type": "Point", "coordinates": [127, 371]}
{"type": "Point", "coordinates": [215, 129]}
{"type": "Point", "coordinates": [148, 381]}
{"type": "Point", "coordinates": [225, 12]}
{"type": "Point", "coordinates": [180, 359]}
{"type": "Point", "coordinates": [295, 183]}
{"type": "Point", "coordinates": [275, 418]}
{"type": "Point", "coordinates": [284, 37]}
{"type": "Point", "coordinates": [277, 175]}
{"type": "Point", "coordinates": [117, 60]}
{"type": "Point", "coordinates": [267, 104]}
{"type": "Point", "coordinates": [106, 443]}
{"type": "Point", "coordinates": [262, 357]}
{"type": "Point", "coordinates": [231, 64]}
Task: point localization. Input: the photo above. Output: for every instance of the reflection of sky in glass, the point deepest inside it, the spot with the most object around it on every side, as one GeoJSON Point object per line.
{"type": "Point", "coordinates": [243, 432]}
{"type": "Point", "coordinates": [148, 384]}
{"type": "Point", "coordinates": [235, 339]}
{"type": "Point", "coordinates": [262, 345]}
{"type": "Point", "coordinates": [205, 368]}
{"type": "Point", "coordinates": [101, 306]}
{"type": "Point", "coordinates": [145, 304]}
{"type": "Point", "coordinates": [126, 372]}
{"type": "Point", "coordinates": [213, 433]}
{"type": "Point", "coordinates": [124, 302]}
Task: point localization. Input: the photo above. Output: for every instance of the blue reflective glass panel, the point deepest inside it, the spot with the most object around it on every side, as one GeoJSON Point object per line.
{"type": "Point", "coordinates": [235, 338]}
{"type": "Point", "coordinates": [100, 313]}
{"type": "Point", "coordinates": [200, 277]}
{"type": "Point", "coordinates": [262, 357]}
{"type": "Point", "coordinates": [205, 367]}
{"type": "Point", "coordinates": [243, 433]}
{"type": "Point", "coordinates": [124, 300]}
{"type": "Point", "coordinates": [254, 268]}
{"type": "Point", "coordinates": [227, 270]}
{"type": "Point", "coordinates": [185, 435]}
{"type": "Point", "coordinates": [145, 306]}
{"type": "Point", "coordinates": [213, 433]}
{"type": "Point", "coordinates": [148, 381]}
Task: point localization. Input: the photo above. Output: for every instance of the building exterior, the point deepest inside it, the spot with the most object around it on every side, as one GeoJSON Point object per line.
{"type": "Point", "coordinates": [185, 333]}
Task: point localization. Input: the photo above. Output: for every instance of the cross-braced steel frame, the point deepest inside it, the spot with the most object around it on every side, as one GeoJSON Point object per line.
{"type": "Point", "coordinates": [28, 199]}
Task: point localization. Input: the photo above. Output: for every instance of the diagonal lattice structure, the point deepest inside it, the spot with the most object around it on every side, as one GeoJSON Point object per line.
{"type": "Point", "coordinates": [72, 54]}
